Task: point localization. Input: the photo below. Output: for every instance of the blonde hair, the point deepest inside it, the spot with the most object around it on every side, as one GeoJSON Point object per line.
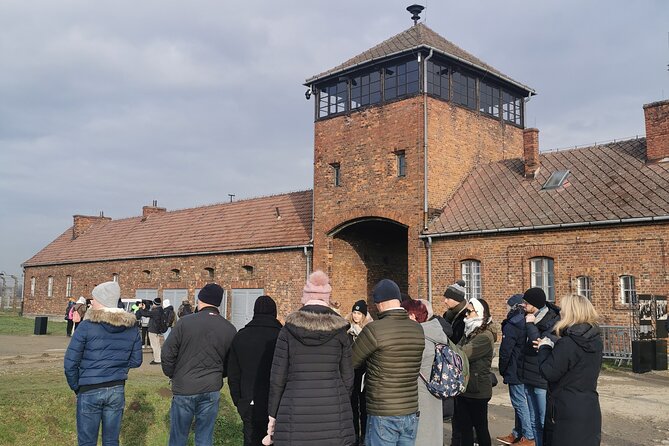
{"type": "Point", "coordinates": [366, 319]}
{"type": "Point", "coordinates": [575, 309]}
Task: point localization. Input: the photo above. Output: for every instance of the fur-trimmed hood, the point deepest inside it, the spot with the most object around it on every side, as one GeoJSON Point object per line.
{"type": "Point", "coordinates": [113, 321]}
{"type": "Point", "coordinates": [315, 324]}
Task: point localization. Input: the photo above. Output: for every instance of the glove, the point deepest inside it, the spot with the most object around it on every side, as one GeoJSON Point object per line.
{"type": "Point", "coordinates": [270, 432]}
{"type": "Point", "coordinates": [546, 341]}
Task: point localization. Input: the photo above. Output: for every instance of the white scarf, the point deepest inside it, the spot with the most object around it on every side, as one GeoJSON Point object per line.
{"type": "Point", "coordinates": [472, 324]}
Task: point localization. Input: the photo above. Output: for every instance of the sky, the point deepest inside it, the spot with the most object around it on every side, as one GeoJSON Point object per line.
{"type": "Point", "coordinates": [106, 106]}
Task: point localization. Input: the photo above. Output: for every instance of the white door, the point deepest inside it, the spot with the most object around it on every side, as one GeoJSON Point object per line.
{"type": "Point", "coordinates": [243, 300]}
{"type": "Point", "coordinates": [175, 296]}
{"type": "Point", "coordinates": [223, 308]}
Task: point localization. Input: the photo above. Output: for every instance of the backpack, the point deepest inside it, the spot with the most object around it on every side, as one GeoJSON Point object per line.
{"type": "Point", "coordinates": [170, 317]}
{"type": "Point", "coordinates": [450, 371]}
{"type": "Point", "coordinates": [162, 324]}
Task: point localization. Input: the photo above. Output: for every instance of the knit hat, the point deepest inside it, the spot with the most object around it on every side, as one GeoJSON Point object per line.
{"type": "Point", "coordinates": [264, 305]}
{"type": "Point", "coordinates": [317, 287]}
{"type": "Point", "coordinates": [535, 297]}
{"type": "Point", "coordinates": [515, 300]}
{"type": "Point", "coordinates": [81, 300]}
{"type": "Point", "coordinates": [385, 290]}
{"type": "Point", "coordinates": [211, 294]}
{"type": "Point", "coordinates": [157, 301]}
{"type": "Point", "coordinates": [166, 303]}
{"type": "Point", "coordinates": [456, 291]}
{"type": "Point", "coordinates": [107, 294]}
{"type": "Point", "coordinates": [360, 306]}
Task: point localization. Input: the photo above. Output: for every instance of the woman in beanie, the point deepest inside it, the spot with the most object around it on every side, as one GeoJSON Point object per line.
{"type": "Point", "coordinates": [471, 408]}
{"type": "Point", "coordinates": [358, 318]}
{"type": "Point", "coordinates": [312, 375]}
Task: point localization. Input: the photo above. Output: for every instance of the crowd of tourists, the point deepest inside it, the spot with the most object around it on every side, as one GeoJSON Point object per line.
{"type": "Point", "coordinates": [324, 379]}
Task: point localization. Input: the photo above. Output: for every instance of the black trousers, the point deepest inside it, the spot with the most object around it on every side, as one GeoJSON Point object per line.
{"type": "Point", "coordinates": [471, 414]}
{"type": "Point", "coordinates": [70, 326]}
{"type": "Point", "coordinates": [359, 406]}
{"type": "Point", "coordinates": [145, 335]}
{"type": "Point", "coordinates": [255, 426]}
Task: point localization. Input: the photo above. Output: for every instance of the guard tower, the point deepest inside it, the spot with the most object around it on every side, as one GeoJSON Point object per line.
{"type": "Point", "coordinates": [397, 128]}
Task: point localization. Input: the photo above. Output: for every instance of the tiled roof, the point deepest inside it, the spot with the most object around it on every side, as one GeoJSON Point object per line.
{"type": "Point", "coordinates": [606, 183]}
{"type": "Point", "coordinates": [241, 225]}
{"type": "Point", "coordinates": [415, 37]}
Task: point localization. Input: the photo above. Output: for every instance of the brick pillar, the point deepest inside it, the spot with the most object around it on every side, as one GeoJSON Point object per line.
{"type": "Point", "coordinates": [153, 209]}
{"type": "Point", "coordinates": [657, 130]}
{"type": "Point", "coordinates": [531, 151]}
{"type": "Point", "coordinates": [83, 222]}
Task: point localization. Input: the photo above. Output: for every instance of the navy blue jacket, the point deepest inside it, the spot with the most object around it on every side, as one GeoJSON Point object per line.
{"type": "Point", "coordinates": [529, 373]}
{"type": "Point", "coordinates": [514, 335]}
{"type": "Point", "coordinates": [103, 347]}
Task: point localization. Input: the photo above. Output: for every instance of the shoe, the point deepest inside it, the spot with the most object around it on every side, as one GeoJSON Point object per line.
{"type": "Point", "coordinates": [509, 439]}
{"type": "Point", "coordinates": [524, 442]}
{"type": "Point", "coordinates": [154, 362]}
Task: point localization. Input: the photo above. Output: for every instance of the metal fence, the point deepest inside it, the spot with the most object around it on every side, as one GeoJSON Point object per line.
{"type": "Point", "coordinates": [617, 342]}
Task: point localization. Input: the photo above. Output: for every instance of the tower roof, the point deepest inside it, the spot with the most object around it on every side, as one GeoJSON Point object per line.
{"type": "Point", "coordinates": [417, 37]}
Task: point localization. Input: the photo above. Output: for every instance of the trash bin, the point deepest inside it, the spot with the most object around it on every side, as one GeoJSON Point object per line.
{"type": "Point", "coordinates": [660, 354]}
{"type": "Point", "coordinates": [40, 325]}
{"type": "Point", "coordinates": [643, 356]}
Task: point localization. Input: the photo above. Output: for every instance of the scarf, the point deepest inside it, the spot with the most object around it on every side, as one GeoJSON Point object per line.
{"type": "Point", "coordinates": [472, 324]}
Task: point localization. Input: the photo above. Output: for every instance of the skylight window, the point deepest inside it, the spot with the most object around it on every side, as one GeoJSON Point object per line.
{"type": "Point", "coordinates": [556, 180]}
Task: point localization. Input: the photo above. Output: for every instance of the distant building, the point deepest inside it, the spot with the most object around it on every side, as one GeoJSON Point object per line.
{"type": "Point", "coordinates": [423, 172]}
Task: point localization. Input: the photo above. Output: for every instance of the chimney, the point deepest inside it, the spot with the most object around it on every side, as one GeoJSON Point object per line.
{"type": "Point", "coordinates": [531, 152]}
{"type": "Point", "coordinates": [657, 131]}
{"type": "Point", "coordinates": [83, 222]}
{"type": "Point", "coordinates": [153, 209]}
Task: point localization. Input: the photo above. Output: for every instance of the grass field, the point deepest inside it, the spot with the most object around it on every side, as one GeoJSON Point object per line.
{"type": "Point", "coordinates": [12, 324]}
{"type": "Point", "coordinates": [39, 409]}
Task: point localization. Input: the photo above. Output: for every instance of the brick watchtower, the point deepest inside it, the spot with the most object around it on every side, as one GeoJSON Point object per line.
{"type": "Point", "coordinates": [397, 129]}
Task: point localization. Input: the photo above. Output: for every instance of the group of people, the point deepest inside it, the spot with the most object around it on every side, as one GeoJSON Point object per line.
{"type": "Point", "coordinates": [325, 379]}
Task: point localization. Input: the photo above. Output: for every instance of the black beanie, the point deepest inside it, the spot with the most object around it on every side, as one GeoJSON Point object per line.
{"type": "Point", "coordinates": [157, 301]}
{"type": "Point", "coordinates": [535, 297]}
{"type": "Point", "coordinates": [456, 291]}
{"type": "Point", "coordinates": [360, 306]}
{"type": "Point", "coordinates": [264, 305]}
{"type": "Point", "coordinates": [385, 290]}
{"type": "Point", "coordinates": [211, 294]}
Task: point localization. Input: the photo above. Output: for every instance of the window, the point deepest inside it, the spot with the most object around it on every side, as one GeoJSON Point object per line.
{"type": "Point", "coordinates": [512, 108]}
{"type": "Point", "coordinates": [584, 286]}
{"type": "Point", "coordinates": [146, 274]}
{"type": "Point", "coordinates": [556, 179]}
{"type": "Point", "coordinates": [33, 282]}
{"type": "Point", "coordinates": [401, 163]}
{"type": "Point", "coordinates": [336, 174]}
{"type": "Point", "coordinates": [49, 287]}
{"type": "Point", "coordinates": [471, 274]}
{"type": "Point", "coordinates": [437, 80]}
{"type": "Point", "coordinates": [68, 286]}
{"type": "Point", "coordinates": [248, 269]}
{"type": "Point", "coordinates": [464, 89]}
{"type": "Point", "coordinates": [115, 277]}
{"type": "Point", "coordinates": [176, 274]}
{"type": "Point", "coordinates": [146, 294]}
{"type": "Point", "coordinates": [209, 273]}
{"type": "Point", "coordinates": [489, 100]}
{"type": "Point", "coordinates": [627, 289]}
{"type": "Point", "coordinates": [366, 90]}
{"type": "Point", "coordinates": [333, 99]}
{"type": "Point", "coordinates": [400, 80]}
{"type": "Point", "coordinates": [542, 276]}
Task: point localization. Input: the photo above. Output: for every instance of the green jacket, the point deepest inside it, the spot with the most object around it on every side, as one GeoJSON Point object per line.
{"type": "Point", "coordinates": [479, 351]}
{"type": "Point", "coordinates": [392, 348]}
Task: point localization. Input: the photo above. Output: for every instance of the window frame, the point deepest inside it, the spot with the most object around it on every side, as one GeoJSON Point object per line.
{"type": "Point", "coordinates": [401, 160]}
{"type": "Point", "coordinates": [399, 73]}
{"type": "Point", "coordinates": [68, 286]}
{"type": "Point", "coordinates": [495, 98]}
{"type": "Point", "coordinates": [474, 286]}
{"type": "Point", "coordinates": [49, 286]}
{"type": "Point", "coordinates": [336, 174]}
{"type": "Point", "coordinates": [438, 82]}
{"type": "Point", "coordinates": [627, 294]}
{"type": "Point", "coordinates": [33, 284]}
{"type": "Point", "coordinates": [115, 277]}
{"type": "Point", "coordinates": [547, 271]}
{"type": "Point", "coordinates": [457, 75]}
{"type": "Point", "coordinates": [585, 288]}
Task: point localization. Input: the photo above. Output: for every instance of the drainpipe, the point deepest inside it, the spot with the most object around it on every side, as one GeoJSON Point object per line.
{"type": "Point", "coordinates": [425, 140]}
{"type": "Point", "coordinates": [429, 269]}
{"type": "Point", "coordinates": [306, 254]}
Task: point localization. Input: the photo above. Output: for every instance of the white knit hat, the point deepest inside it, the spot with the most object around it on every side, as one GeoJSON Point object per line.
{"type": "Point", "coordinates": [107, 294]}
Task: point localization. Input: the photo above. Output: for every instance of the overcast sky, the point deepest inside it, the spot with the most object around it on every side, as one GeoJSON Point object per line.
{"type": "Point", "coordinates": [108, 105]}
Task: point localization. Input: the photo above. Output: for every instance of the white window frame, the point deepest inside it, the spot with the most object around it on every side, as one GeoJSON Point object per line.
{"type": "Point", "coordinates": [584, 286]}
{"type": "Point", "coordinates": [470, 270]}
{"type": "Point", "coordinates": [627, 288]}
{"type": "Point", "coordinates": [115, 277]}
{"type": "Point", "coordinates": [49, 286]}
{"type": "Point", "coordinates": [542, 275]}
{"type": "Point", "coordinates": [33, 283]}
{"type": "Point", "coordinates": [68, 286]}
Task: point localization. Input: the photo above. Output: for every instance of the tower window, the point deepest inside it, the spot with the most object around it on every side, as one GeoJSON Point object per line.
{"type": "Point", "coordinates": [512, 108]}
{"type": "Point", "coordinates": [401, 80]}
{"type": "Point", "coordinates": [437, 80]}
{"type": "Point", "coordinates": [489, 101]}
{"type": "Point", "coordinates": [464, 89]}
{"type": "Point", "coordinates": [333, 99]}
{"type": "Point", "coordinates": [336, 174]}
{"type": "Point", "coordinates": [401, 163]}
{"type": "Point", "coordinates": [366, 90]}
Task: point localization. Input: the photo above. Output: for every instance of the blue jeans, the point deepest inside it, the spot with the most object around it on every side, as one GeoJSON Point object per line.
{"type": "Point", "coordinates": [536, 400]}
{"type": "Point", "coordinates": [203, 407]}
{"type": "Point", "coordinates": [398, 430]}
{"type": "Point", "coordinates": [524, 424]}
{"type": "Point", "coordinates": [97, 406]}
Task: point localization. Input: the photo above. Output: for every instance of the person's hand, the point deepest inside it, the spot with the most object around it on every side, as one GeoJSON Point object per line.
{"type": "Point", "coordinates": [543, 341]}
{"type": "Point", "coordinates": [268, 440]}
{"type": "Point", "coordinates": [530, 318]}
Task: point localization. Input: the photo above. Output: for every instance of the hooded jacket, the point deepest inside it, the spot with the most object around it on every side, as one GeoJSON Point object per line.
{"type": "Point", "coordinates": [514, 335]}
{"type": "Point", "coordinates": [529, 373]}
{"type": "Point", "coordinates": [392, 347]}
{"type": "Point", "coordinates": [105, 345]}
{"type": "Point", "coordinates": [312, 380]}
{"type": "Point", "coordinates": [572, 368]}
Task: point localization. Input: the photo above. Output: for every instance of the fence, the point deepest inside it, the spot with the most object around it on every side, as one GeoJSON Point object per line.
{"type": "Point", "coordinates": [617, 342]}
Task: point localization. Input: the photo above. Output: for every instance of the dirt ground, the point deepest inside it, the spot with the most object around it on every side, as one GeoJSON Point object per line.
{"type": "Point", "coordinates": [635, 407]}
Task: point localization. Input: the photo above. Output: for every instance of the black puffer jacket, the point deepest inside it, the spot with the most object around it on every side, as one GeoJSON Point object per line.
{"type": "Point", "coordinates": [154, 314]}
{"type": "Point", "coordinates": [514, 336]}
{"type": "Point", "coordinates": [195, 354]}
{"type": "Point", "coordinates": [529, 372]}
{"type": "Point", "coordinates": [312, 380]}
{"type": "Point", "coordinates": [572, 367]}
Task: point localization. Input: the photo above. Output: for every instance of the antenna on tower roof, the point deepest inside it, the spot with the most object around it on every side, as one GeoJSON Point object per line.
{"type": "Point", "coordinates": [415, 10]}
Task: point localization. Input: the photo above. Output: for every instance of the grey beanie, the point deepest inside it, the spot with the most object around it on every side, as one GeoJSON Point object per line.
{"type": "Point", "coordinates": [456, 291]}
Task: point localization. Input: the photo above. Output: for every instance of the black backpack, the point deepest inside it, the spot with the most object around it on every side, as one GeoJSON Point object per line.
{"type": "Point", "coordinates": [162, 325]}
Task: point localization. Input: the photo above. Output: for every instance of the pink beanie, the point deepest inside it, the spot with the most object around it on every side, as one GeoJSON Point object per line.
{"type": "Point", "coordinates": [317, 287]}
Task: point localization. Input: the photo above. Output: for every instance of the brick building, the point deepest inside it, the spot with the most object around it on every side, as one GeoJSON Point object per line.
{"type": "Point", "coordinates": [423, 172]}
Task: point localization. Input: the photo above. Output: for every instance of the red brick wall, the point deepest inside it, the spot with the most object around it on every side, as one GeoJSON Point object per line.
{"type": "Point", "coordinates": [280, 273]}
{"type": "Point", "coordinates": [603, 254]}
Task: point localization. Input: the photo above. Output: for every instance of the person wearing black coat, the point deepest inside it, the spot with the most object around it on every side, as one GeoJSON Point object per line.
{"type": "Point", "coordinates": [249, 367]}
{"type": "Point", "coordinates": [312, 375]}
{"type": "Point", "coordinates": [454, 298]}
{"type": "Point", "coordinates": [514, 336]}
{"type": "Point", "coordinates": [155, 314]}
{"type": "Point", "coordinates": [541, 317]}
{"type": "Point", "coordinates": [571, 366]}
